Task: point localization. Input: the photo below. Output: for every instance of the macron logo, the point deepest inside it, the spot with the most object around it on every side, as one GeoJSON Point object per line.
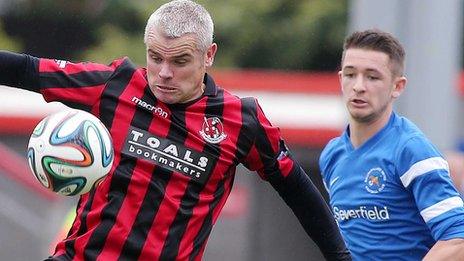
{"type": "Point", "coordinates": [156, 110]}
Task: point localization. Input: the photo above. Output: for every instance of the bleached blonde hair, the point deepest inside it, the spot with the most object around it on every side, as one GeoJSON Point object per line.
{"type": "Point", "coordinates": [180, 17]}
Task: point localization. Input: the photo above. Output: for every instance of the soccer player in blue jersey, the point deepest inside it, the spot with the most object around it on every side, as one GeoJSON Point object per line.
{"type": "Point", "coordinates": [389, 187]}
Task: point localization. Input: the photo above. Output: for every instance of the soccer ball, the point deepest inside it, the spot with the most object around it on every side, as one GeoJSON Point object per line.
{"type": "Point", "coordinates": [70, 152]}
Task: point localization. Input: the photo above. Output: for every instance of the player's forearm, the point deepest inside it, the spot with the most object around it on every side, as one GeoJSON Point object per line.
{"type": "Point", "coordinates": [16, 70]}
{"type": "Point", "coordinates": [452, 249]}
{"type": "Point", "coordinates": [307, 203]}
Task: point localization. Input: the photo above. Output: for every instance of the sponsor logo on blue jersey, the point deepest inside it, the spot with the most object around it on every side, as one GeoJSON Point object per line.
{"type": "Point", "coordinates": [364, 212]}
{"type": "Point", "coordinates": [375, 180]}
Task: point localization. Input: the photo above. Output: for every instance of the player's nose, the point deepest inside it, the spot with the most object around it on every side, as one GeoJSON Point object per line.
{"type": "Point", "coordinates": [359, 84]}
{"type": "Point", "coordinates": [165, 71]}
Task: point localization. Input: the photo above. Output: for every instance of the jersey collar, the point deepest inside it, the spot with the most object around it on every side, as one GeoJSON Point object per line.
{"type": "Point", "coordinates": [211, 88]}
{"type": "Point", "coordinates": [372, 140]}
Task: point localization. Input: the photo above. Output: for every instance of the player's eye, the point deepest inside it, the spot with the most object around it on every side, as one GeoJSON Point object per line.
{"type": "Point", "coordinates": [348, 74]}
{"type": "Point", "coordinates": [180, 61]}
{"type": "Point", "coordinates": [156, 59]}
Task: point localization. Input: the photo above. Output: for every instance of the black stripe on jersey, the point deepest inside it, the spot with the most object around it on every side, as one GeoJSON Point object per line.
{"type": "Point", "coordinates": [75, 80]}
{"type": "Point", "coordinates": [136, 239]}
{"type": "Point", "coordinates": [118, 189]}
{"type": "Point", "coordinates": [243, 147]}
{"type": "Point", "coordinates": [246, 135]}
{"type": "Point", "coordinates": [267, 154]}
{"type": "Point", "coordinates": [160, 177]}
{"type": "Point", "coordinates": [207, 225]}
{"type": "Point", "coordinates": [31, 74]}
{"type": "Point", "coordinates": [12, 68]}
{"type": "Point", "coordinates": [109, 100]}
{"type": "Point", "coordinates": [107, 111]}
{"type": "Point", "coordinates": [214, 108]}
{"type": "Point", "coordinates": [17, 70]}
{"type": "Point", "coordinates": [69, 245]}
{"type": "Point", "coordinates": [155, 194]}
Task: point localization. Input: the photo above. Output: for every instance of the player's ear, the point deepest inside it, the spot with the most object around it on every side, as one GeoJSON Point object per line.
{"type": "Point", "coordinates": [399, 85]}
{"type": "Point", "coordinates": [210, 53]}
{"type": "Point", "coordinates": [340, 80]}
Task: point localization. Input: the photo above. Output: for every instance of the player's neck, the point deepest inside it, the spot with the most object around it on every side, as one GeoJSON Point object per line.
{"type": "Point", "coordinates": [360, 132]}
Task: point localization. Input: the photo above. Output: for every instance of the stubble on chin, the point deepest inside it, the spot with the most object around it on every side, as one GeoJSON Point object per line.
{"type": "Point", "coordinates": [363, 118]}
{"type": "Point", "coordinates": [360, 116]}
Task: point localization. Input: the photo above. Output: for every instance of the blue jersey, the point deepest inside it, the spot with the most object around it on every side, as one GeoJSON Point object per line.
{"type": "Point", "coordinates": [392, 196]}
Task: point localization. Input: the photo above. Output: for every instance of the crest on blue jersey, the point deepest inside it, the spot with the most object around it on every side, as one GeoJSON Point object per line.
{"type": "Point", "coordinates": [375, 180]}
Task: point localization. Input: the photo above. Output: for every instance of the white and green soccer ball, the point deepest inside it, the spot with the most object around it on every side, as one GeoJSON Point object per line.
{"type": "Point", "coordinates": [70, 152]}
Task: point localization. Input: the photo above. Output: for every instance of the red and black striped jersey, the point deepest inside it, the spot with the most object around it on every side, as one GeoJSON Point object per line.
{"type": "Point", "coordinates": [174, 164]}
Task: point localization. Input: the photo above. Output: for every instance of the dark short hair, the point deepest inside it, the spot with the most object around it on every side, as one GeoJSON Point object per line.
{"type": "Point", "coordinates": [378, 40]}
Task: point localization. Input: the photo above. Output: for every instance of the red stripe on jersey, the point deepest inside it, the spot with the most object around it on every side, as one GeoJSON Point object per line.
{"type": "Point", "coordinates": [96, 109]}
{"type": "Point", "coordinates": [176, 189]}
{"type": "Point", "coordinates": [119, 128]}
{"type": "Point", "coordinates": [131, 204]}
{"type": "Point", "coordinates": [194, 125]}
{"type": "Point", "coordinates": [61, 247]}
{"type": "Point", "coordinates": [273, 136]}
{"type": "Point", "coordinates": [254, 162]}
{"type": "Point", "coordinates": [285, 166]}
{"type": "Point", "coordinates": [231, 116]}
{"type": "Point", "coordinates": [164, 217]}
{"type": "Point", "coordinates": [93, 216]}
{"type": "Point", "coordinates": [83, 95]}
{"type": "Point", "coordinates": [227, 189]}
{"type": "Point", "coordinates": [139, 186]}
{"type": "Point", "coordinates": [50, 65]}
{"type": "Point", "coordinates": [166, 213]}
{"type": "Point", "coordinates": [272, 133]}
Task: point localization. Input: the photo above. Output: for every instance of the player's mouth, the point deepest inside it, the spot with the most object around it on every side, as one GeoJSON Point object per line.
{"type": "Point", "coordinates": [165, 88]}
{"type": "Point", "coordinates": [358, 103]}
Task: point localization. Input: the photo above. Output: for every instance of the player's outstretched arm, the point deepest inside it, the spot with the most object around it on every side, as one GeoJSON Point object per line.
{"type": "Point", "coordinates": [312, 211]}
{"type": "Point", "coordinates": [452, 249]}
{"type": "Point", "coordinates": [76, 84]}
{"type": "Point", "coordinates": [14, 69]}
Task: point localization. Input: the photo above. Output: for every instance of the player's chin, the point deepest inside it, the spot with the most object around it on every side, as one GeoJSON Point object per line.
{"type": "Point", "coordinates": [360, 116]}
{"type": "Point", "coordinates": [166, 98]}
{"type": "Point", "coordinates": [356, 112]}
